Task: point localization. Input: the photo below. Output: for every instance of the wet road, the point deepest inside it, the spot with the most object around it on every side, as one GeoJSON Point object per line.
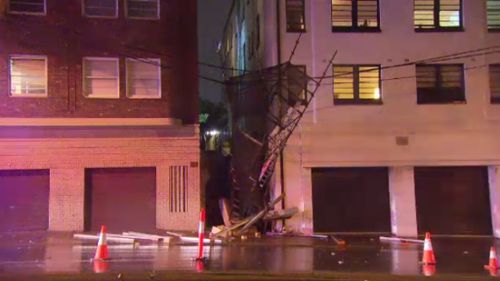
{"type": "Point", "coordinates": [48, 254]}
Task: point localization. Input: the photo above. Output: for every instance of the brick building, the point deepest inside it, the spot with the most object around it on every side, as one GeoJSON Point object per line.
{"type": "Point", "coordinates": [98, 115]}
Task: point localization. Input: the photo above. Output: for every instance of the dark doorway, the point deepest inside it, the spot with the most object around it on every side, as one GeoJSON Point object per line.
{"type": "Point", "coordinates": [24, 200]}
{"type": "Point", "coordinates": [453, 200]}
{"type": "Point", "coordinates": [123, 199]}
{"type": "Point", "coordinates": [351, 200]}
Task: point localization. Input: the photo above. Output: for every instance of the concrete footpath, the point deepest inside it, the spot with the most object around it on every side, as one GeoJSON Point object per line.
{"type": "Point", "coordinates": [49, 256]}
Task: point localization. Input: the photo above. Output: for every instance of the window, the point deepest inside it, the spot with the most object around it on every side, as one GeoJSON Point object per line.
{"type": "Point", "coordinates": [100, 8]}
{"type": "Point", "coordinates": [356, 84]}
{"type": "Point", "coordinates": [493, 15]}
{"type": "Point", "coordinates": [440, 15]}
{"type": "Point", "coordinates": [355, 15]}
{"type": "Point", "coordinates": [143, 78]}
{"type": "Point", "coordinates": [441, 83]}
{"type": "Point", "coordinates": [295, 16]}
{"type": "Point", "coordinates": [257, 28]}
{"type": "Point", "coordinates": [101, 77]}
{"type": "Point", "coordinates": [495, 83]}
{"type": "Point", "coordinates": [27, 6]}
{"type": "Point", "coordinates": [143, 9]}
{"type": "Point", "coordinates": [28, 76]}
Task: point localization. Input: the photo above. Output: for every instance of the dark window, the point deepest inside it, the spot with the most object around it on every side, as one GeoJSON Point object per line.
{"type": "Point", "coordinates": [100, 8]}
{"type": "Point", "coordinates": [438, 15]}
{"type": "Point", "coordinates": [355, 15]}
{"type": "Point", "coordinates": [297, 84]}
{"type": "Point", "coordinates": [143, 9]}
{"type": "Point", "coordinates": [295, 16]}
{"type": "Point", "coordinates": [493, 14]}
{"type": "Point", "coordinates": [356, 84]}
{"type": "Point", "coordinates": [27, 6]}
{"type": "Point", "coordinates": [438, 84]}
{"type": "Point", "coordinates": [257, 29]}
{"type": "Point", "coordinates": [495, 83]}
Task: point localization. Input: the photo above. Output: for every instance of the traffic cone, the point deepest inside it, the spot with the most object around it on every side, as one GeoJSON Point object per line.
{"type": "Point", "coordinates": [102, 246]}
{"type": "Point", "coordinates": [428, 257]}
{"type": "Point", "coordinates": [201, 235]}
{"type": "Point", "coordinates": [429, 270]}
{"type": "Point", "coordinates": [493, 263]}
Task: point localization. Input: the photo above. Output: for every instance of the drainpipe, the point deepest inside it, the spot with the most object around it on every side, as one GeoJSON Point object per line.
{"type": "Point", "coordinates": [278, 50]}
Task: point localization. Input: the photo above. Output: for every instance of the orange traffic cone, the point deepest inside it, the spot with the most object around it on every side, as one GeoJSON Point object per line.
{"type": "Point", "coordinates": [493, 263]}
{"type": "Point", "coordinates": [102, 246]}
{"type": "Point", "coordinates": [428, 257]}
{"type": "Point", "coordinates": [429, 270]}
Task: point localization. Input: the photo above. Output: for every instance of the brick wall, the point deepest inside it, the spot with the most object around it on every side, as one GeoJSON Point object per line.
{"type": "Point", "coordinates": [67, 158]}
{"type": "Point", "coordinates": [65, 36]}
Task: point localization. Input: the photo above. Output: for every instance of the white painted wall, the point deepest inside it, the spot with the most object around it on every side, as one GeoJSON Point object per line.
{"type": "Point", "coordinates": [364, 135]}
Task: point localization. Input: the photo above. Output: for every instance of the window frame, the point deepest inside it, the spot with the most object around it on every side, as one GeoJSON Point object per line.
{"type": "Point", "coordinates": [354, 20]}
{"type": "Point", "coordinates": [158, 11]}
{"type": "Point", "coordinates": [462, 81]}
{"type": "Point", "coordinates": [19, 56]}
{"type": "Point", "coordinates": [493, 100]}
{"type": "Point", "coordinates": [438, 28]}
{"type": "Point", "coordinates": [492, 29]}
{"type": "Point", "coordinates": [160, 92]}
{"type": "Point", "coordinates": [101, 17]}
{"type": "Point", "coordinates": [356, 100]}
{"type": "Point", "coordinates": [44, 13]}
{"type": "Point", "coordinates": [84, 77]}
{"type": "Point", "coordinates": [296, 30]}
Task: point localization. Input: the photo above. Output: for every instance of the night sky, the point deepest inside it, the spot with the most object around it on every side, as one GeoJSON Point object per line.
{"type": "Point", "coordinates": [212, 16]}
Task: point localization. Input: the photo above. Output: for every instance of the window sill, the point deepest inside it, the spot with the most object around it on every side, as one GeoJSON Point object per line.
{"type": "Point", "coordinates": [439, 29]}
{"type": "Point", "coordinates": [36, 96]}
{"type": "Point", "coordinates": [139, 18]}
{"type": "Point", "coordinates": [296, 31]}
{"type": "Point", "coordinates": [101, 17]}
{"type": "Point", "coordinates": [443, 103]}
{"type": "Point", "coordinates": [356, 29]}
{"type": "Point", "coordinates": [357, 102]}
{"type": "Point", "coordinates": [103, 97]}
{"type": "Point", "coordinates": [27, 13]}
{"type": "Point", "coordinates": [143, 98]}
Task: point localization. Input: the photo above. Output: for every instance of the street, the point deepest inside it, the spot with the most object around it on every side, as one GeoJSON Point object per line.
{"type": "Point", "coordinates": [43, 256]}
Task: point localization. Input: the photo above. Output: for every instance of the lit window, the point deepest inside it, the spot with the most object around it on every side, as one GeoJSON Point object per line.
{"type": "Point", "coordinates": [495, 83]}
{"type": "Point", "coordinates": [438, 15]}
{"type": "Point", "coordinates": [493, 14]}
{"type": "Point", "coordinates": [355, 15]}
{"type": "Point", "coordinates": [356, 84]}
{"type": "Point", "coordinates": [28, 76]}
{"type": "Point", "coordinates": [295, 16]}
{"type": "Point", "coordinates": [440, 83]}
{"type": "Point", "coordinates": [27, 6]}
{"type": "Point", "coordinates": [101, 77]}
{"type": "Point", "coordinates": [144, 78]}
{"type": "Point", "coordinates": [143, 9]}
{"type": "Point", "coordinates": [101, 8]}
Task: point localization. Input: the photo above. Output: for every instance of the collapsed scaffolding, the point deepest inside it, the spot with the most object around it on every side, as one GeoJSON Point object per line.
{"type": "Point", "coordinates": [266, 106]}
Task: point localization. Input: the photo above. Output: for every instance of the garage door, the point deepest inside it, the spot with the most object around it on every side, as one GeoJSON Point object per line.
{"type": "Point", "coordinates": [122, 199]}
{"type": "Point", "coordinates": [24, 200]}
{"type": "Point", "coordinates": [351, 200]}
{"type": "Point", "coordinates": [453, 200]}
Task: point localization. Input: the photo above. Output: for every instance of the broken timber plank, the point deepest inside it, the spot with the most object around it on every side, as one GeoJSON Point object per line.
{"type": "Point", "coordinates": [109, 237]}
{"type": "Point", "coordinates": [146, 236]}
{"type": "Point", "coordinates": [400, 240]}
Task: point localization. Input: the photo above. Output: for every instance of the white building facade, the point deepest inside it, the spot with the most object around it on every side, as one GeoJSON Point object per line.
{"type": "Point", "coordinates": [403, 134]}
